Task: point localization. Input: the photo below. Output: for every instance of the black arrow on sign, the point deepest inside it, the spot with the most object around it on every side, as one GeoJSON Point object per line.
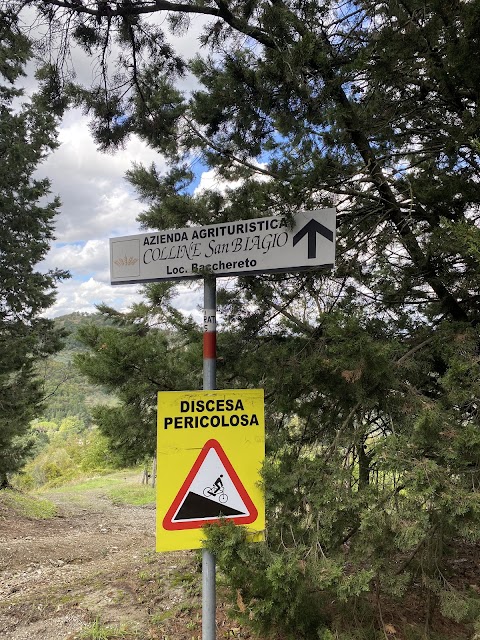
{"type": "Point", "coordinates": [312, 228]}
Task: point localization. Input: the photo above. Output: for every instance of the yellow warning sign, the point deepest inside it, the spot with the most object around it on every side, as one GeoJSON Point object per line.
{"type": "Point", "coordinates": [210, 449]}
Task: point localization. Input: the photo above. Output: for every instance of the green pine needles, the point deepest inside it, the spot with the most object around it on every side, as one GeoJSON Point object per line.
{"type": "Point", "coordinates": [27, 133]}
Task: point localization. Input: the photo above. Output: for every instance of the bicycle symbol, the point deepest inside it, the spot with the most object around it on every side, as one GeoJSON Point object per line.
{"type": "Point", "coordinates": [217, 490]}
{"type": "Point", "coordinates": [220, 495]}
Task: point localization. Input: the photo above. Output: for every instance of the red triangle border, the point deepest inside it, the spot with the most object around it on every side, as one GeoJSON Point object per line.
{"type": "Point", "coordinates": [168, 522]}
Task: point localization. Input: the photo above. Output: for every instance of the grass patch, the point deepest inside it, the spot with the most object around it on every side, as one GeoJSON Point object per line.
{"type": "Point", "coordinates": [121, 487]}
{"type": "Point", "coordinates": [162, 616]}
{"type": "Point", "coordinates": [97, 482]}
{"type": "Point", "coordinates": [26, 505]}
{"type": "Point", "coordinates": [136, 494]}
{"type": "Point", "coordinates": [98, 631]}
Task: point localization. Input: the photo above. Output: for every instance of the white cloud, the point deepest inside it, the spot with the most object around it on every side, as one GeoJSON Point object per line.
{"type": "Point", "coordinates": [96, 199]}
{"type": "Point", "coordinates": [73, 295]}
{"type": "Point", "coordinates": [211, 181]}
{"type": "Point", "coordinates": [189, 300]}
{"type": "Point", "coordinates": [85, 259]}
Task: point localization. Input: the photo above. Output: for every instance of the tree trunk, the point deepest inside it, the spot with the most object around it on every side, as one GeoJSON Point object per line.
{"type": "Point", "coordinates": [363, 468]}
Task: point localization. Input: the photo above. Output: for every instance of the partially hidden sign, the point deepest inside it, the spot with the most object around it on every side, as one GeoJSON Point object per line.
{"type": "Point", "coordinates": [211, 445]}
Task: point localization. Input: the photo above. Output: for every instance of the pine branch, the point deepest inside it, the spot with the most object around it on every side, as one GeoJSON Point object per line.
{"type": "Point", "coordinates": [222, 12]}
{"type": "Point", "coordinates": [419, 546]}
{"type": "Point", "coordinates": [129, 10]}
{"type": "Point", "coordinates": [228, 154]}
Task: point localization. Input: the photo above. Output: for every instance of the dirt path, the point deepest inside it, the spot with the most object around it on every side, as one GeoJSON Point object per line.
{"type": "Point", "coordinates": [93, 565]}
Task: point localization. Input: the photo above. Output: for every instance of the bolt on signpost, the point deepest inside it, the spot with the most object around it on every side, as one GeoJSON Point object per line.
{"type": "Point", "coordinates": [187, 421]}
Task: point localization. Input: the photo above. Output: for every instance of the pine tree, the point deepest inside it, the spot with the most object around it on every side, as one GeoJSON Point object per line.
{"type": "Point", "coordinates": [27, 133]}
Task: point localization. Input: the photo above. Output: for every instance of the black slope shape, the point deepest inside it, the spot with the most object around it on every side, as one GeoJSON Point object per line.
{"type": "Point", "coordinates": [196, 507]}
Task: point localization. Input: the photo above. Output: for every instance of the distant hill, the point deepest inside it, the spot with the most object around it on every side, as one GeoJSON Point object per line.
{"type": "Point", "coordinates": [67, 392]}
{"type": "Point", "coordinates": [71, 322]}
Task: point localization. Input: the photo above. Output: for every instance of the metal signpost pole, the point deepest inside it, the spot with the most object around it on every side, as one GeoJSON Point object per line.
{"type": "Point", "coordinates": [209, 383]}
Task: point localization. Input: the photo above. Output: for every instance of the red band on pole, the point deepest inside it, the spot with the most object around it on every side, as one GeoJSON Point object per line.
{"type": "Point", "coordinates": [210, 344]}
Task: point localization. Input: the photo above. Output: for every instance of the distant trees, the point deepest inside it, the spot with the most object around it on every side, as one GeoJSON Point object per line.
{"type": "Point", "coordinates": [63, 451]}
{"type": "Point", "coordinates": [67, 392]}
{"type": "Point", "coordinates": [134, 360]}
{"type": "Point", "coordinates": [27, 133]}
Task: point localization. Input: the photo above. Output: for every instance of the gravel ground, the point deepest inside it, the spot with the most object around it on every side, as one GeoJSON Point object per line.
{"type": "Point", "coordinates": [93, 564]}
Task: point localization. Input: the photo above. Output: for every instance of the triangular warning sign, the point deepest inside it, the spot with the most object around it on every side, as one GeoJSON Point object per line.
{"type": "Point", "coordinates": [211, 491]}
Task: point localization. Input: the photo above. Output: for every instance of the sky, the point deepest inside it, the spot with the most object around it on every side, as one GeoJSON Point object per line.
{"type": "Point", "coordinates": [98, 204]}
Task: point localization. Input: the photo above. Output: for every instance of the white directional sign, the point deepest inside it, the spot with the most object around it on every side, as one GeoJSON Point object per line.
{"type": "Point", "coordinates": [261, 245]}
